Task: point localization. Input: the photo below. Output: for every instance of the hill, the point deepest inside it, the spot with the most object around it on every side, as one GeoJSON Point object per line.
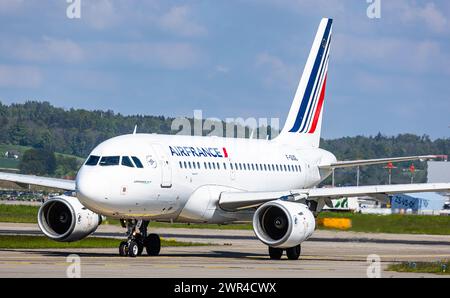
{"type": "Point", "coordinates": [76, 132]}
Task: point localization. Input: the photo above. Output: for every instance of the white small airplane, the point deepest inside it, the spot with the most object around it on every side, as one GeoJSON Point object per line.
{"type": "Point", "coordinates": [140, 178]}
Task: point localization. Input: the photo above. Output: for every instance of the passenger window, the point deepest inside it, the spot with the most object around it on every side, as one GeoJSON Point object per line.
{"type": "Point", "coordinates": [126, 161]}
{"type": "Point", "coordinates": [109, 161]}
{"type": "Point", "coordinates": [198, 165]}
{"type": "Point", "coordinates": [181, 165]}
{"type": "Point", "coordinates": [224, 166]}
{"type": "Point", "coordinates": [92, 160]}
{"type": "Point", "coordinates": [137, 162]}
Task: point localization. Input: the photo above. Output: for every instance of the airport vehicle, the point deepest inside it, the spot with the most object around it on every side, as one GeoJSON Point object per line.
{"type": "Point", "coordinates": [140, 178]}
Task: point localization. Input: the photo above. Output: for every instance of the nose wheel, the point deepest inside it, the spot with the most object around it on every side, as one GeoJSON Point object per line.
{"type": "Point", "coordinates": [138, 240]}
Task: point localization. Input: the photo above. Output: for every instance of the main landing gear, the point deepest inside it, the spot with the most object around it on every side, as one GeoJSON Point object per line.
{"type": "Point", "coordinates": [137, 239]}
{"type": "Point", "coordinates": [292, 253]}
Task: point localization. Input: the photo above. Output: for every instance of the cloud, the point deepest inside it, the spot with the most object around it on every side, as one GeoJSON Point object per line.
{"type": "Point", "coordinates": [177, 20]}
{"type": "Point", "coordinates": [170, 55]}
{"type": "Point", "coordinates": [100, 14]}
{"type": "Point", "coordinates": [276, 71]}
{"type": "Point", "coordinates": [45, 50]}
{"type": "Point", "coordinates": [20, 76]}
{"type": "Point", "coordinates": [10, 6]}
{"type": "Point", "coordinates": [392, 54]}
{"type": "Point", "coordinates": [429, 14]}
{"type": "Point", "coordinates": [222, 69]}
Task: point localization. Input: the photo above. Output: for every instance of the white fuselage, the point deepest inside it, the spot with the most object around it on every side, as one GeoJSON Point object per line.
{"type": "Point", "coordinates": [175, 167]}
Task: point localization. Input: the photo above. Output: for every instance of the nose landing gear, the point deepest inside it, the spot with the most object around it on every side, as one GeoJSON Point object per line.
{"type": "Point", "coordinates": [138, 239]}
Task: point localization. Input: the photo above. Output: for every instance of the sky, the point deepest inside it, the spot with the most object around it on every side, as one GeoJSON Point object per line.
{"type": "Point", "coordinates": [232, 58]}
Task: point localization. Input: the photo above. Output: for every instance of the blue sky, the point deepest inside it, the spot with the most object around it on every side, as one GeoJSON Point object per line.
{"type": "Point", "coordinates": [232, 58]}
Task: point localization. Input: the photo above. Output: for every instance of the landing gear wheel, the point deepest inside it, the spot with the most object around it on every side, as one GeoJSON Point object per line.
{"type": "Point", "coordinates": [152, 244]}
{"type": "Point", "coordinates": [123, 249]}
{"type": "Point", "coordinates": [140, 242]}
{"type": "Point", "coordinates": [133, 249]}
{"type": "Point", "coordinates": [293, 253]}
{"type": "Point", "coordinates": [275, 253]}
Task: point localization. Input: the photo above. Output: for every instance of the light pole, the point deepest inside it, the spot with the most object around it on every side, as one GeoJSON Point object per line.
{"type": "Point", "coordinates": [390, 167]}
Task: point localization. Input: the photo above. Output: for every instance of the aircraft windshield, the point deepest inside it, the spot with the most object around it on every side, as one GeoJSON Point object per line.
{"type": "Point", "coordinates": [92, 160]}
{"type": "Point", "coordinates": [109, 161]}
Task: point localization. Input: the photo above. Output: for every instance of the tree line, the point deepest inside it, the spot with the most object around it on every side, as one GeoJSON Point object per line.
{"type": "Point", "coordinates": [77, 131]}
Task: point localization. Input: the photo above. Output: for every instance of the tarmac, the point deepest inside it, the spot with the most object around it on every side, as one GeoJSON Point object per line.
{"type": "Point", "coordinates": [232, 254]}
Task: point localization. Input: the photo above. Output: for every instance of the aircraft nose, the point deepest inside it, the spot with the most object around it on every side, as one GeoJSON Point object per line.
{"type": "Point", "coordinates": [89, 189]}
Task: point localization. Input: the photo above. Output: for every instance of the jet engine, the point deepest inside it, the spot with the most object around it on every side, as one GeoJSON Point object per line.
{"type": "Point", "coordinates": [65, 219]}
{"type": "Point", "coordinates": [283, 224]}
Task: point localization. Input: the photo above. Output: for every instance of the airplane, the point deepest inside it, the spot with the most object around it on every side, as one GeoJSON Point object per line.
{"type": "Point", "coordinates": [143, 178]}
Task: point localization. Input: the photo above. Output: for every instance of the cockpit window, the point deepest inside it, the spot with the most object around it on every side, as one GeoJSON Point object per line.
{"type": "Point", "coordinates": [126, 161]}
{"type": "Point", "coordinates": [137, 162]}
{"type": "Point", "coordinates": [92, 160]}
{"type": "Point", "coordinates": [109, 161]}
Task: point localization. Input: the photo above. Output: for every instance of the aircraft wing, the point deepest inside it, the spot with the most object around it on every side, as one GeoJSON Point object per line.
{"type": "Point", "coordinates": [234, 201]}
{"type": "Point", "coordinates": [366, 162]}
{"type": "Point", "coordinates": [41, 181]}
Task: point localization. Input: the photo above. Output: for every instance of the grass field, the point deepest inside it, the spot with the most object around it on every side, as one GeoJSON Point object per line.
{"type": "Point", "coordinates": [18, 213]}
{"type": "Point", "coordinates": [397, 224]}
{"type": "Point", "coordinates": [36, 242]}
{"type": "Point", "coordinates": [7, 163]}
{"type": "Point", "coordinates": [422, 267]}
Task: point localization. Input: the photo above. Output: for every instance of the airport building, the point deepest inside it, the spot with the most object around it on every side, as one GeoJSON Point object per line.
{"type": "Point", "coordinates": [438, 172]}
{"type": "Point", "coordinates": [418, 203]}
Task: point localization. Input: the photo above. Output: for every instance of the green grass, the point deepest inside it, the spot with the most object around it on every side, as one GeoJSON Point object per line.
{"type": "Point", "coordinates": [422, 267]}
{"type": "Point", "coordinates": [7, 163]}
{"type": "Point", "coordinates": [36, 242]}
{"type": "Point", "coordinates": [18, 213]}
{"type": "Point", "coordinates": [396, 223]}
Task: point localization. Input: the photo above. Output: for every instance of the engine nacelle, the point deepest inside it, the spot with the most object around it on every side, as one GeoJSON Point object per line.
{"type": "Point", "coordinates": [65, 219]}
{"type": "Point", "coordinates": [283, 224]}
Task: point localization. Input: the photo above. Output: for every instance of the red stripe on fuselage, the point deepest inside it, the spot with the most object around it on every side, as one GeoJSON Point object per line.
{"type": "Point", "coordinates": [319, 106]}
{"type": "Point", "coordinates": [225, 152]}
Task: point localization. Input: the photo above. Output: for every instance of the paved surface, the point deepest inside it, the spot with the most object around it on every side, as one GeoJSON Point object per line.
{"type": "Point", "coordinates": [235, 254]}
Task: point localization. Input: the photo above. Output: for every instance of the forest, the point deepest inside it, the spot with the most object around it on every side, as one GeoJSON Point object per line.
{"type": "Point", "coordinates": [75, 132]}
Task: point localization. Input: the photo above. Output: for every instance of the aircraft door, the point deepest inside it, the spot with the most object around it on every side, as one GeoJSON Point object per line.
{"type": "Point", "coordinates": [166, 169]}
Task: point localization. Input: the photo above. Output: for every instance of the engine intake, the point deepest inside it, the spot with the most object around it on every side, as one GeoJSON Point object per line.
{"type": "Point", "coordinates": [283, 224]}
{"type": "Point", "coordinates": [65, 219]}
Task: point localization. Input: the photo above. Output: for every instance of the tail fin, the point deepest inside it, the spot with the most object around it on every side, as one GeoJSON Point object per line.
{"type": "Point", "coordinates": [304, 122]}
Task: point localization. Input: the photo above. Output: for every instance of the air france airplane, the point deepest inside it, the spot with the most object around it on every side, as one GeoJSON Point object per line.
{"type": "Point", "coordinates": [140, 178]}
